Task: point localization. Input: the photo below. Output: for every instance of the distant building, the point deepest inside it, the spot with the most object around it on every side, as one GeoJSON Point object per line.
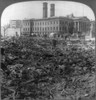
{"type": "Point", "coordinates": [58, 25]}
{"type": "Point", "coordinates": [15, 24]}
{"type": "Point", "coordinates": [10, 32]}
{"type": "Point", "coordinates": [13, 29]}
{"type": "Point", "coordinates": [81, 24]}
{"type": "Point", "coordinates": [46, 26]}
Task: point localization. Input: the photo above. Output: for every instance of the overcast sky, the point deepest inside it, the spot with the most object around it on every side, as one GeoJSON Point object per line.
{"type": "Point", "coordinates": [34, 9]}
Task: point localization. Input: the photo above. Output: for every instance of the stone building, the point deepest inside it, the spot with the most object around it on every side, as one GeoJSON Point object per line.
{"type": "Point", "coordinates": [81, 24]}
{"type": "Point", "coordinates": [46, 25]}
{"type": "Point", "coordinates": [59, 25]}
{"type": "Point", "coordinates": [15, 24]}
{"type": "Point", "coordinates": [51, 25]}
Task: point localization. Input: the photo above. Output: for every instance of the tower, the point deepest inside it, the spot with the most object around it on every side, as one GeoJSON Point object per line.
{"type": "Point", "coordinates": [52, 10]}
{"type": "Point", "coordinates": [45, 10]}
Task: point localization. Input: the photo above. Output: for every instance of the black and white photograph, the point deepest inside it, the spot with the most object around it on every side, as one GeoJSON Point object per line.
{"type": "Point", "coordinates": [48, 51]}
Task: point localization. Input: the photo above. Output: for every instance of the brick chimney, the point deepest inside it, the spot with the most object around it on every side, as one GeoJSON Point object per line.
{"type": "Point", "coordinates": [45, 10]}
{"type": "Point", "coordinates": [52, 10]}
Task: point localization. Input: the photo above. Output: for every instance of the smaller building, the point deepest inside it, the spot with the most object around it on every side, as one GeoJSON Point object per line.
{"type": "Point", "coordinates": [15, 24]}
{"type": "Point", "coordinates": [10, 32]}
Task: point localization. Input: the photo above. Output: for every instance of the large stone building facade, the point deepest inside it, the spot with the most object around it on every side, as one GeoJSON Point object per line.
{"type": "Point", "coordinates": [58, 25]}
{"type": "Point", "coordinates": [46, 26]}
{"type": "Point", "coordinates": [81, 24]}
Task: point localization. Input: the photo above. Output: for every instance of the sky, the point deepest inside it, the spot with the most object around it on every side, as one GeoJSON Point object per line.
{"type": "Point", "coordinates": [34, 9]}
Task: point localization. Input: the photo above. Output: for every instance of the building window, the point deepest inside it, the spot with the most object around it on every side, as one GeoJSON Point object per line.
{"type": "Point", "coordinates": [66, 22]}
{"type": "Point", "coordinates": [41, 23]}
{"type": "Point", "coordinates": [60, 28]}
{"type": "Point", "coordinates": [31, 29]}
{"type": "Point", "coordinates": [57, 28]}
{"type": "Point", "coordinates": [47, 23]}
{"type": "Point", "coordinates": [54, 28]}
{"type": "Point", "coordinates": [60, 22]}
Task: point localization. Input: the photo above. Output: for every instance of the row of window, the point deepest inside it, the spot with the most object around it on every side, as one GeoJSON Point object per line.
{"type": "Point", "coordinates": [51, 22]}
{"type": "Point", "coordinates": [46, 29]}
{"type": "Point", "coordinates": [46, 23]}
{"type": "Point", "coordinates": [83, 26]}
{"type": "Point", "coordinates": [26, 29]}
{"type": "Point", "coordinates": [53, 28]}
{"type": "Point", "coordinates": [61, 22]}
{"type": "Point", "coordinates": [26, 24]}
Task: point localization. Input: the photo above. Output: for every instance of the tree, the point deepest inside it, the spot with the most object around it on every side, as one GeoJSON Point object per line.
{"type": "Point", "coordinates": [4, 29]}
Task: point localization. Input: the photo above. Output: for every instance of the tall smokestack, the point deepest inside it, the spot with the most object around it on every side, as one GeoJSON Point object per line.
{"type": "Point", "coordinates": [52, 10]}
{"type": "Point", "coordinates": [45, 10]}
